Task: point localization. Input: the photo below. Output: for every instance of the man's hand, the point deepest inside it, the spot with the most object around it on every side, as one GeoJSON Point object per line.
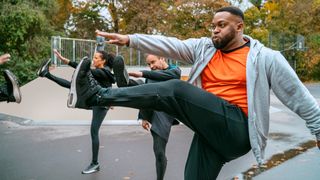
{"type": "Point", "coordinates": [114, 38]}
{"type": "Point", "coordinates": [146, 125]}
{"type": "Point", "coordinates": [136, 74]}
{"type": "Point", "coordinates": [4, 58]}
{"type": "Point", "coordinates": [63, 59]}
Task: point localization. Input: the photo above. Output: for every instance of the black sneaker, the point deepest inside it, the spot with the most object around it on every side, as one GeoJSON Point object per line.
{"type": "Point", "coordinates": [120, 72]}
{"type": "Point", "coordinates": [44, 68]}
{"type": "Point", "coordinates": [83, 86]}
{"type": "Point", "coordinates": [13, 89]}
{"type": "Point", "coordinates": [91, 169]}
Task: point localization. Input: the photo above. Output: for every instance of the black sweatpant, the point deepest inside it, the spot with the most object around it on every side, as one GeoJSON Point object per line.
{"type": "Point", "coordinates": [98, 115]}
{"type": "Point", "coordinates": [221, 128]}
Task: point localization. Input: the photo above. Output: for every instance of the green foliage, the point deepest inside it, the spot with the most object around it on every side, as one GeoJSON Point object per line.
{"type": "Point", "coordinates": [86, 19]}
{"type": "Point", "coordinates": [277, 24]}
{"type": "Point", "coordinates": [25, 28]}
{"type": "Point", "coordinates": [255, 26]}
{"type": "Point", "coordinates": [182, 19]}
{"type": "Point", "coordinates": [316, 72]}
{"type": "Point", "coordinates": [313, 56]}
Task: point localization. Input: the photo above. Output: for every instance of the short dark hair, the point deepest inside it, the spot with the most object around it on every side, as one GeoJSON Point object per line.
{"type": "Point", "coordinates": [233, 10]}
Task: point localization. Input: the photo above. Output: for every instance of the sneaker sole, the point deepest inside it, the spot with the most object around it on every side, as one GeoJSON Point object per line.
{"type": "Point", "coordinates": [43, 67]}
{"type": "Point", "coordinates": [15, 86]}
{"type": "Point", "coordinates": [120, 72]}
{"type": "Point", "coordinates": [90, 172]}
{"type": "Point", "coordinates": [72, 97]}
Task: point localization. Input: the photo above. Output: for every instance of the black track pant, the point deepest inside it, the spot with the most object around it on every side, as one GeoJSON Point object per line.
{"type": "Point", "coordinates": [221, 128]}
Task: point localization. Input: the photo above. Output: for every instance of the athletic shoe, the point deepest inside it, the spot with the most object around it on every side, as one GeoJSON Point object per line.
{"type": "Point", "coordinates": [44, 68]}
{"type": "Point", "coordinates": [12, 90]}
{"type": "Point", "coordinates": [120, 72]}
{"type": "Point", "coordinates": [83, 86]}
{"type": "Point", "coordinates": [91, 169]}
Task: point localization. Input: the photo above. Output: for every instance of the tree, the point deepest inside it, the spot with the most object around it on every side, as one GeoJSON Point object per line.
{"type": "Point", "coordinates": [282, 21]}
{"type": "Point", "coordinates": [182, 19]}
{"type": "Point", "coordinates": [63, 14]}
{"type": "Point", "coordinates": [25, 28]}
{"type": "Point", "coordinates": [85, 19]}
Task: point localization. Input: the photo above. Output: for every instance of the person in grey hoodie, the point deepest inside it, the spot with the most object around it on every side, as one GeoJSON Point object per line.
{"type": "Point", "coordinates": [228, 108]}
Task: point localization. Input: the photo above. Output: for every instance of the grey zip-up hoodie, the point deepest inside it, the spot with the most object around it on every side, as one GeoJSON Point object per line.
{"type": "Point", "coordinates": [265, 69]}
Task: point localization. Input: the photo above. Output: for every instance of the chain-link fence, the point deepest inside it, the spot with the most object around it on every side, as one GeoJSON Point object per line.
{"type": "Point", "coordinates": [75, 49]}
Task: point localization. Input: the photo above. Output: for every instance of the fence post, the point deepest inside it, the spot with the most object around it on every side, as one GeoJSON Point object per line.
{"type": "Point", "coordinates": [117, 50]}
{"type": "Point", "coordinates": [139, 55]}
{"type": "Point", "coordinates": [73, 50]}
{"type": "Point", "coordinates": [53, 46]}
{"type": "Point", "coordinates": [130, 56]}
{"type": "Point", "coordinates": [91, 50]}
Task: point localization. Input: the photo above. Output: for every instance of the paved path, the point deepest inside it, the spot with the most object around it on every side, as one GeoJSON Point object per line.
{"type": "Point", "coordinates": [61, 152]}
{"type": "Point", "coordinates": [54, 153]}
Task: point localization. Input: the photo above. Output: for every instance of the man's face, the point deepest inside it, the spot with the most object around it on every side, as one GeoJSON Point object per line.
{"type": "Point", "coordinates": [155, 62]}
{"type": "Point", "coordinates": [225, 26]}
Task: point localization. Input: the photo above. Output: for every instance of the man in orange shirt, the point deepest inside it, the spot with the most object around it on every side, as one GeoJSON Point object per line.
{"type": "Point", "coordinates": [229, 112]}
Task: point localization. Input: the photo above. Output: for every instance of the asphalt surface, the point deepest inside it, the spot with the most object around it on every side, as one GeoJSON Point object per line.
{"type": "Point", "coordinates": [35, 151]}
{"type": "Point", "coordinates": [52, 153]}
{"type": "Point", "coordinates": [303, 167]}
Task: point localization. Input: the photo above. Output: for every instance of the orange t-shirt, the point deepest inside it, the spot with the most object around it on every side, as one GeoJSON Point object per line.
{"type": "Point", "coordinates": [225, 76]}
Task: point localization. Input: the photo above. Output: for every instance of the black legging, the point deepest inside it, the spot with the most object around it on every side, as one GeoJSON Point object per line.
{"type": "Point", "coordinates": [159, 149]}
{"type": "Point", "coordinates": [60, 81]}
{"type": "Point", "coordinates": [98, 115]}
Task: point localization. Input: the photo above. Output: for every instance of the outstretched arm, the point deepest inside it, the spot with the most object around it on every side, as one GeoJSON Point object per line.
{"type": "Point", "coordinates": [114, 38]}
{"type": "Point", "coordinates": [162, 75]}
{"type": "Point", "coordinates": [169, 47]}
{"type": "Point", "coordinates": [63, 59]}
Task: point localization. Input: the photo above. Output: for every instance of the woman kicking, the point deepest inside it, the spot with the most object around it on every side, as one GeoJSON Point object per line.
{"type": "Point", "coordinates": [103, 63]}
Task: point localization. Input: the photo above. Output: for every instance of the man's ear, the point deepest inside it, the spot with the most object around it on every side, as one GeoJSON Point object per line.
{"type": "Point", "coordinates": [240, 26]}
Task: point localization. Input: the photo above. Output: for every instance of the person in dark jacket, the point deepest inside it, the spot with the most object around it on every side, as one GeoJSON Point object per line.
{"type": "Point", "coordinates": [160, 122]}
{"type": "Point", "coordinates": [103, 63]}
{"type": "Point", "coordinates": [10, 91]}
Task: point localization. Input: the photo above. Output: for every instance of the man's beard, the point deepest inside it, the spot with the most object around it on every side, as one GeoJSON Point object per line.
{"type": "Point", "coordinates": [225, 40]}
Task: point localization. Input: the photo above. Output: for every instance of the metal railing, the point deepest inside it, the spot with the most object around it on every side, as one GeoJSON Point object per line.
{"type": "Point", "coordinates": [75, 49]}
